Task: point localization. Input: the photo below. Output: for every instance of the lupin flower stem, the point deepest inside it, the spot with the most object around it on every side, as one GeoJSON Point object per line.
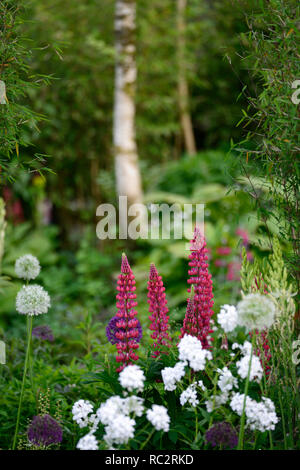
{"type": "Point", "coordinates": [124, 329]}
{"type": "Point", "coordinates": [159, 310]}
{"type": "Point", "coordinates": [29, 333]}
{"type": "Point", "coordinates": [199, 321]}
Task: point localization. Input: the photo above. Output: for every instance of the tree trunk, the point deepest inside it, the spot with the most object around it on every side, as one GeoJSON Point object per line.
{"type": "Point", "coordinates": [128, 178]}
{"type": "Point", "coordinates": [183, 91]}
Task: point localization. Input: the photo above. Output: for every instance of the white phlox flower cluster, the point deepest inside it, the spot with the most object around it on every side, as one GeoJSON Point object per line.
{"type": "Point", "coordinates": [159, 418]}
{"type": "Point", "coordinates": [189, 396]}
{"type": "Point", "coordinates": [190, 349]}
{"type": "Point", "coordinates": [119, 430]}
{"type": "Point", "coordinates": [227, 318]}
{"type": "Point", "coordinates": [244, 348]}
{"type": "Point", "coordinates": [133, 404]}
{"type": "Point", "coordinates": [132, 378]}
{"type": "Point", "coordinates": [226, 381]}
{"type": "Point", "coordinates": [27, 267]}
{"type": "Point", "coordinates": [32, 300]}
{"type": "Point", "coordinates": [172, 375]}
{"type": "Point", "coordinates": [115, 406]}
{"type": "Point", "coordinates": [111, 408]}
{"type": "Point", "coordinates": [87, 442]}
{"type": "Point", "coordinates": [216, 401]}
{"type": "Point", "coordinates": [256, 311]}
{"type": "Point", "coordinates": [256, 371]}
{"type": "Point", "coordinates": [260, 416]}
{"type": "Point", "coordinates": [81, 412]}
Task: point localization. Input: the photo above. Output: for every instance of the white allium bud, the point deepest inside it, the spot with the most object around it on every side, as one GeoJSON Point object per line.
{"type": "Point", "coordinates": [27, 267]}
{"type": "Point", "coordinates": [32, 300]}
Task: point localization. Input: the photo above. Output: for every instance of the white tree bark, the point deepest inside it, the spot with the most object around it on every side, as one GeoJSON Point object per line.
{"type": "Point", "coordinates": [183, 90]}
{"type": "Point", "coordinates": [128, 178]}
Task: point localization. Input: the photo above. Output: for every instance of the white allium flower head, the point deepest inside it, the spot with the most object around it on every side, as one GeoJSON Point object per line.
{"type": "Point", "coordinates": [87, 442]}
{"type": "Point", "coordinates": [27, 267]}
{"type": "Point", "coordinates": [190, 349]}
{"type": "Point", "coordinates": [227, 318]}
{"type": "Point", "coordinates": [132, 378]}
{"type": "Point", "coordinates": [159, 418]}
{"type": "Point", "coordinates": [256, 371]}
{"type": "Point", "coordinates": [226, 381]}
{"type": "Point", "coordinates": [172, 375]}
{"type": "Point", "coordinates": [256, 311]}
{"type": "Point", "coordinates": [120, 430]}
{"type": "Point", "coordinates": [32, 300]}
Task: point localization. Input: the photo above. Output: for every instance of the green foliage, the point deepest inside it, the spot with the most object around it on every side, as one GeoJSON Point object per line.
{"type": "Point", "coordinates": [4, 280]}
{"type": "Point", "coordinates": [18, 119]}
{"type": "Point", "coordinates": [271, 145]}
{"type": "Point", "coordinates": [75, 45]}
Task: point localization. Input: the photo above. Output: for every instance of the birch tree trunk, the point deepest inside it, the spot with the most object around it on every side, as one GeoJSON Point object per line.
{"type": "Point", "coordinates": [183, 91]}
{"type": "Point", "coordinates": [128, 178]}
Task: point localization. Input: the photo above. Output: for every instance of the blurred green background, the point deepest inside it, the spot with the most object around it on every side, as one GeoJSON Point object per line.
{"type": "Point", "coordinates": [71, 45]}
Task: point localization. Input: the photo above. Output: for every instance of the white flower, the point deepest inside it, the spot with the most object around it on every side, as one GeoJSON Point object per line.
{"type": "Point", "coordinates": [226, 381]}
{"type": "Point", "coordinates": [216, 401]}
{"type": "Point", "coordinates": [189, 396]}
{"type": "Point", "coordinates": [245, 348]}
{"type": "Point", "coordinates": [256, 311]}
{"type": "Point", "coordinates": [260, 416]}
{"type": "Point", "coordinates": [227, 318]}
{"type": "Point", "coordinates": [88, 442]}
{"type": "Point", "coordinates": [256, 372]}
{"type": "Point", "coordinates": [27, 267]}
{"type": "Point", "coordinates": [201, 385]}
{"type": "Point", "coordinates": [237, 402]}
{"type": "Point", "coordinates": [159, 418]}
{"type": "Point", "coordinates": [110, 409]}
{"type": "Point", "coordinates": [133, 404]}
{"type": "Point", "coordinates": [132, 377]}
{"type": "Point", "coordinates": [32, 300]}
{"type": "Point", "coordinates": [119, 431]}
{"type": "Point", "coordinates": [80, 411]}
{"type": "Point", "coordinates": [190, 349]}
{"type": "Point", "coordinates": [172, 375]}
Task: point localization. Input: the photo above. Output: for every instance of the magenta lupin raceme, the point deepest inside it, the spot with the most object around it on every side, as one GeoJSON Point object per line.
{"type": "Point", "coordinates": [159, 312]}
{"type": "Point", "coordinates": [198, 322]}
{"type": "Point", "coordinates": [126, 328]}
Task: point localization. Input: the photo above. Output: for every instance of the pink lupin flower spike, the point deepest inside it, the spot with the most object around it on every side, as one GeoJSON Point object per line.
{"type": "Point", "coordinates": [202, 300]}
{"type": "Point", "coordinates": [159, 310]}
{"type": "Point", "coordinates": [127, 326]}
